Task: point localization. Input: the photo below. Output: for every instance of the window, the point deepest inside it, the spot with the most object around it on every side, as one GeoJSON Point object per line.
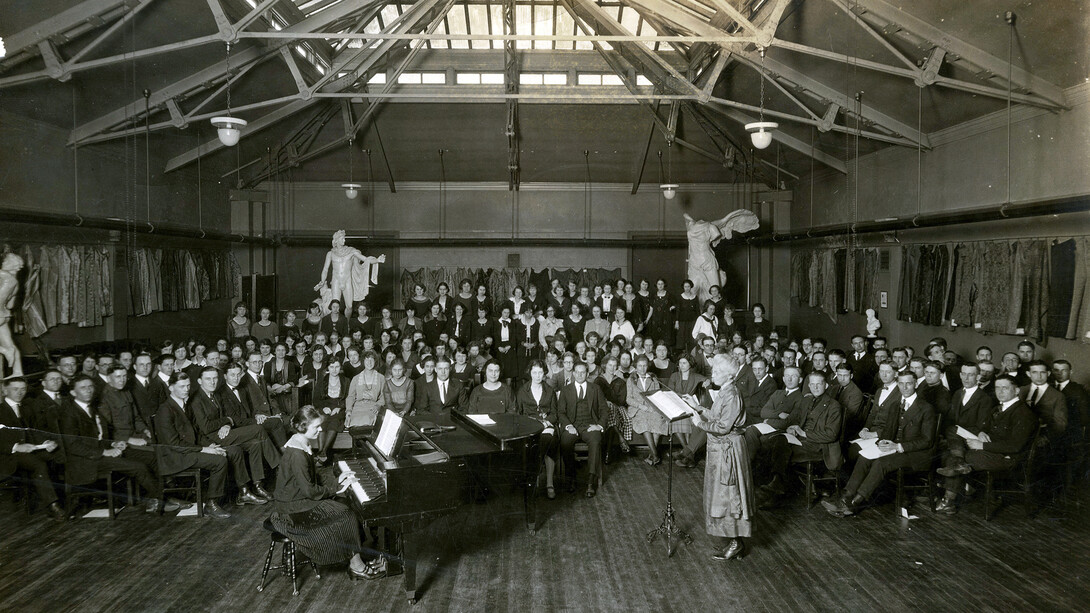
{"type": "Point", "coordinates": [378, 78]}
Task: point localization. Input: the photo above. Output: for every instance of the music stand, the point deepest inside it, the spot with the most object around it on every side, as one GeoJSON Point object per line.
{"type": "Point", "coordinates": [673, 408]}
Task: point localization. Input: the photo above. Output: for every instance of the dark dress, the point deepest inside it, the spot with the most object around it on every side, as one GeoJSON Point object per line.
{"type": "Point", "coordinates": [687, 312]}
{"type": "Point", "coordinates": [329, 326]}
{"type": "Point", "coordinates": [543, 411]}
{"type": "Point", "coordinates": [324, 530]}
{"type": "Point", "coordinates": [282, 402]}
{"type": "Point", "coordinates": [368, 328]}
{"type": "Point", "coordinates": [663, 315]}
{"type": "Point", "coordinates": [616, 393]}
{"type": "Point", "coordinates": [499, 400]}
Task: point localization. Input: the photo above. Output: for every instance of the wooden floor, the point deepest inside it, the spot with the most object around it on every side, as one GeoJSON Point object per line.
{"type": "Point", "coordinates": [588, 555]}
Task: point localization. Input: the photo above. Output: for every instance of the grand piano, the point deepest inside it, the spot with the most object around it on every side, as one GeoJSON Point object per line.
{"type": "Point", "coordinates": [437, 463]}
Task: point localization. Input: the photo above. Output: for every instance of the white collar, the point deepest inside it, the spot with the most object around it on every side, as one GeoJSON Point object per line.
{"type": "Point", "coordinates": [1008, 404]}
{"type": "Point", "coordinates": [298, 441]}
{"type": "Point", "coordinates": [791, 391]}
{"type": "Point", "coordinates": [1063, 384]}
{"type": "Point", "coordinates": [83, 405]}
{"type": "Point", "coordinates": [908, 400]}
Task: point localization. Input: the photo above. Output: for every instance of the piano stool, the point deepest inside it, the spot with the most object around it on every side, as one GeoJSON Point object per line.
{"type": "Point", "coordinates": [287, 559]}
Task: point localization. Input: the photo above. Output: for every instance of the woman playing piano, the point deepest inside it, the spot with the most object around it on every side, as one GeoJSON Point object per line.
{"type": "Point", "coordinates": [325, 530]}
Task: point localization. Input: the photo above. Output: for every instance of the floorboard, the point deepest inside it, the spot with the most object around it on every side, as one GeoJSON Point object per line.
{"type": "Point", "coordinates": [588, 555]}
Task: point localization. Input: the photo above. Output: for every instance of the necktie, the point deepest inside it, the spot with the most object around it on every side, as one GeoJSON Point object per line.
{"type": "Point", "coordinates": [580, 393]}
{"type": "Point", "coordinates": [98, 424]}
{"type": "Point", "coordinates": [443, 392]}
{"type": "Point", "coordinates": [1033, 396]}
{"type": "Point", "coordinates": [902, 404]}
{"type": "Point", "coordinates": [18, 414]}
{"type": "Point", "coordinates": [237, 397]}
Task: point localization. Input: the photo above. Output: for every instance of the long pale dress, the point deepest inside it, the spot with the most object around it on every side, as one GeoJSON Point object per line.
{"type": "Point", "coordinates": [728, 484]}
{"type": "Point", "coordinates": [364, 399]}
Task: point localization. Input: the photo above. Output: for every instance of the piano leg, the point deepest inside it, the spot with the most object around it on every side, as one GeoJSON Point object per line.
{"type": "Point", "coordinates": [408, 578]}
{"type": "Point", "coordinates": [531, 464]}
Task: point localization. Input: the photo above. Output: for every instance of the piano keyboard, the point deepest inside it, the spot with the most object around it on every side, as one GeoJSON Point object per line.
{"type": "Point", "coordinates": [372, 482]}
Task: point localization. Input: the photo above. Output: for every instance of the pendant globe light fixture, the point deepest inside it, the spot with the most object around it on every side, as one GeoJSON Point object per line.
{"type": "Point", "coordinates": [760, 132]}
{"type": "Point", "coordinates": [228, 127]}
{"type": "Point", "coordinates": [669, 190]}
{"type": "Point", "coordinates": [351, 189]}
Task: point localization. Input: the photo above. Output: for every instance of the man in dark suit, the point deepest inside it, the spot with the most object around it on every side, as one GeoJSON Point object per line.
{"type": "Point", "coordinates": [1003, 439]}
{"type": "Point", "coordinates": [987, 378]}
{"type": "Point", "coordinates": [932, 389]}
{"type": "Point", "coordinates": [969, 406]}
{"type": "Point", "coordinates": [103, 364]}
{"type": "Point", "coordinates": [845, 391]}
{"type": "Point", "coordinates": [178, 449]}
{"type": "Point", "coordinates": [26, 446]}
{"type": "Point", "coordinates": [581, 412]}
{"type": "Point", "coordinates": [441, 393]}
{"type": "Point", "coordinates": [781, 404]}
{"type": "Point", "coordinates": [1078, 402]}
{"type": "Point", "coordinates": [118, 409]}
{"type": "Point", "coordinates": [863, 367]}
{"type": "Point", "coordinates": [816, 425]}
{"type": "Point", "coordinates": [1050, 405]}
{"type": "Point", "coordinates": [910, 447]}
{"type": "Point", "coordinates": [214, 427]}
{"type": "Point", "coordinates": [880, 422]}
{"type": "Point", "coordinates": [755, 388]}
{"type": "Point", "coordinates": [257, 389]}
{"type": "Point", "coordinates": [91, 455]}
{"type": "Point", "coordinates": [160, 383]}
{"type": "Point", "coordinates": [142, 388]}
{"type": "Point", "coordinates": [234, 397]}
{"type": "Point", "coordinates": [46, 406]}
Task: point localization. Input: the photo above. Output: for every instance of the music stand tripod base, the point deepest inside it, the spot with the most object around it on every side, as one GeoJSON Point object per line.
{"type": "Point", "coordinates": [669, 528]}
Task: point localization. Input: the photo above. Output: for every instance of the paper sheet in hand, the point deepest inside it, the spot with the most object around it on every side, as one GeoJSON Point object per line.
{"type": "Point", "coordinates": [671, 405]}
{"type": "Point", "coordinates": [792, 439]}
{"type": "Point", "coordinates": [965, 434]}
{"type": "Point", "coordinates": [764, 428]}
{"type": "Point", "coordinates": [868, 448]}
{"type": "Point", "coordinates": [482, 419]}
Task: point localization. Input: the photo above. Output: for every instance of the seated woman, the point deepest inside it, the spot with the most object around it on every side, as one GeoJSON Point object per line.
{"type": "Point", "coordinates": [537, 400]}
{"type": "Point", "coordinates": [661, 366]}
{"type": "Point", "coordinates": [462, 370]}
{"type": "Point", "coordinates": [492, 396]}
{"type": "Point", "coordinates": [329, 396]}
{"type": "Point", "coordinates": [646, 419]}
{"type": "Point", "coordinates": [364, 397]}
{"type": "Point", "coordinates": [685, 381]}
{"type": "Point", "coordinates": [398, 392]}
{"type": "Point", "coordinates": [324, 530]}
{"type": "Point", "coordinates": [615, 389]}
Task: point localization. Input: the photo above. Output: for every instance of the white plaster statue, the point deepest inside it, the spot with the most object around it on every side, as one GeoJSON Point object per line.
{"type": "Point", "coordinates": [703, 235]}
{"type": "Point", "coordinates": [351, 277]}
{"type": "Point", "coordinates": [9, 286]}
{"type": "Point", "coordinates": [873, 325]}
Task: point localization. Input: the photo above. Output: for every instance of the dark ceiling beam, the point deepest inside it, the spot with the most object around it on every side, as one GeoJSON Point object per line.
{"type": "Point", "coordinates": [203, 79]}
{"type": "Point", "coordinates": [825, 94]}
{"type": "Point", "coordinates": [988, 66]}
{"type": "Point", "coordinates": [429, 15]}
{"type": "Point", "coordinates": [62, 27]}
{"type": "Point", "coordinates": [644, 60]}
{"type": "Point", "coordinates": [789, 141]}
{"type": "Point", "coordinates": [110, 31]}
{"type": "Point", "coordinates": [423, 11]}
{"type": "Point", "coordinates": [927, 74]}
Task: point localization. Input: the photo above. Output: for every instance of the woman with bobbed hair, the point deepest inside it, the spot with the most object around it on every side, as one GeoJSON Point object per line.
{"type": "Point", "coordinates": [324, 530]}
